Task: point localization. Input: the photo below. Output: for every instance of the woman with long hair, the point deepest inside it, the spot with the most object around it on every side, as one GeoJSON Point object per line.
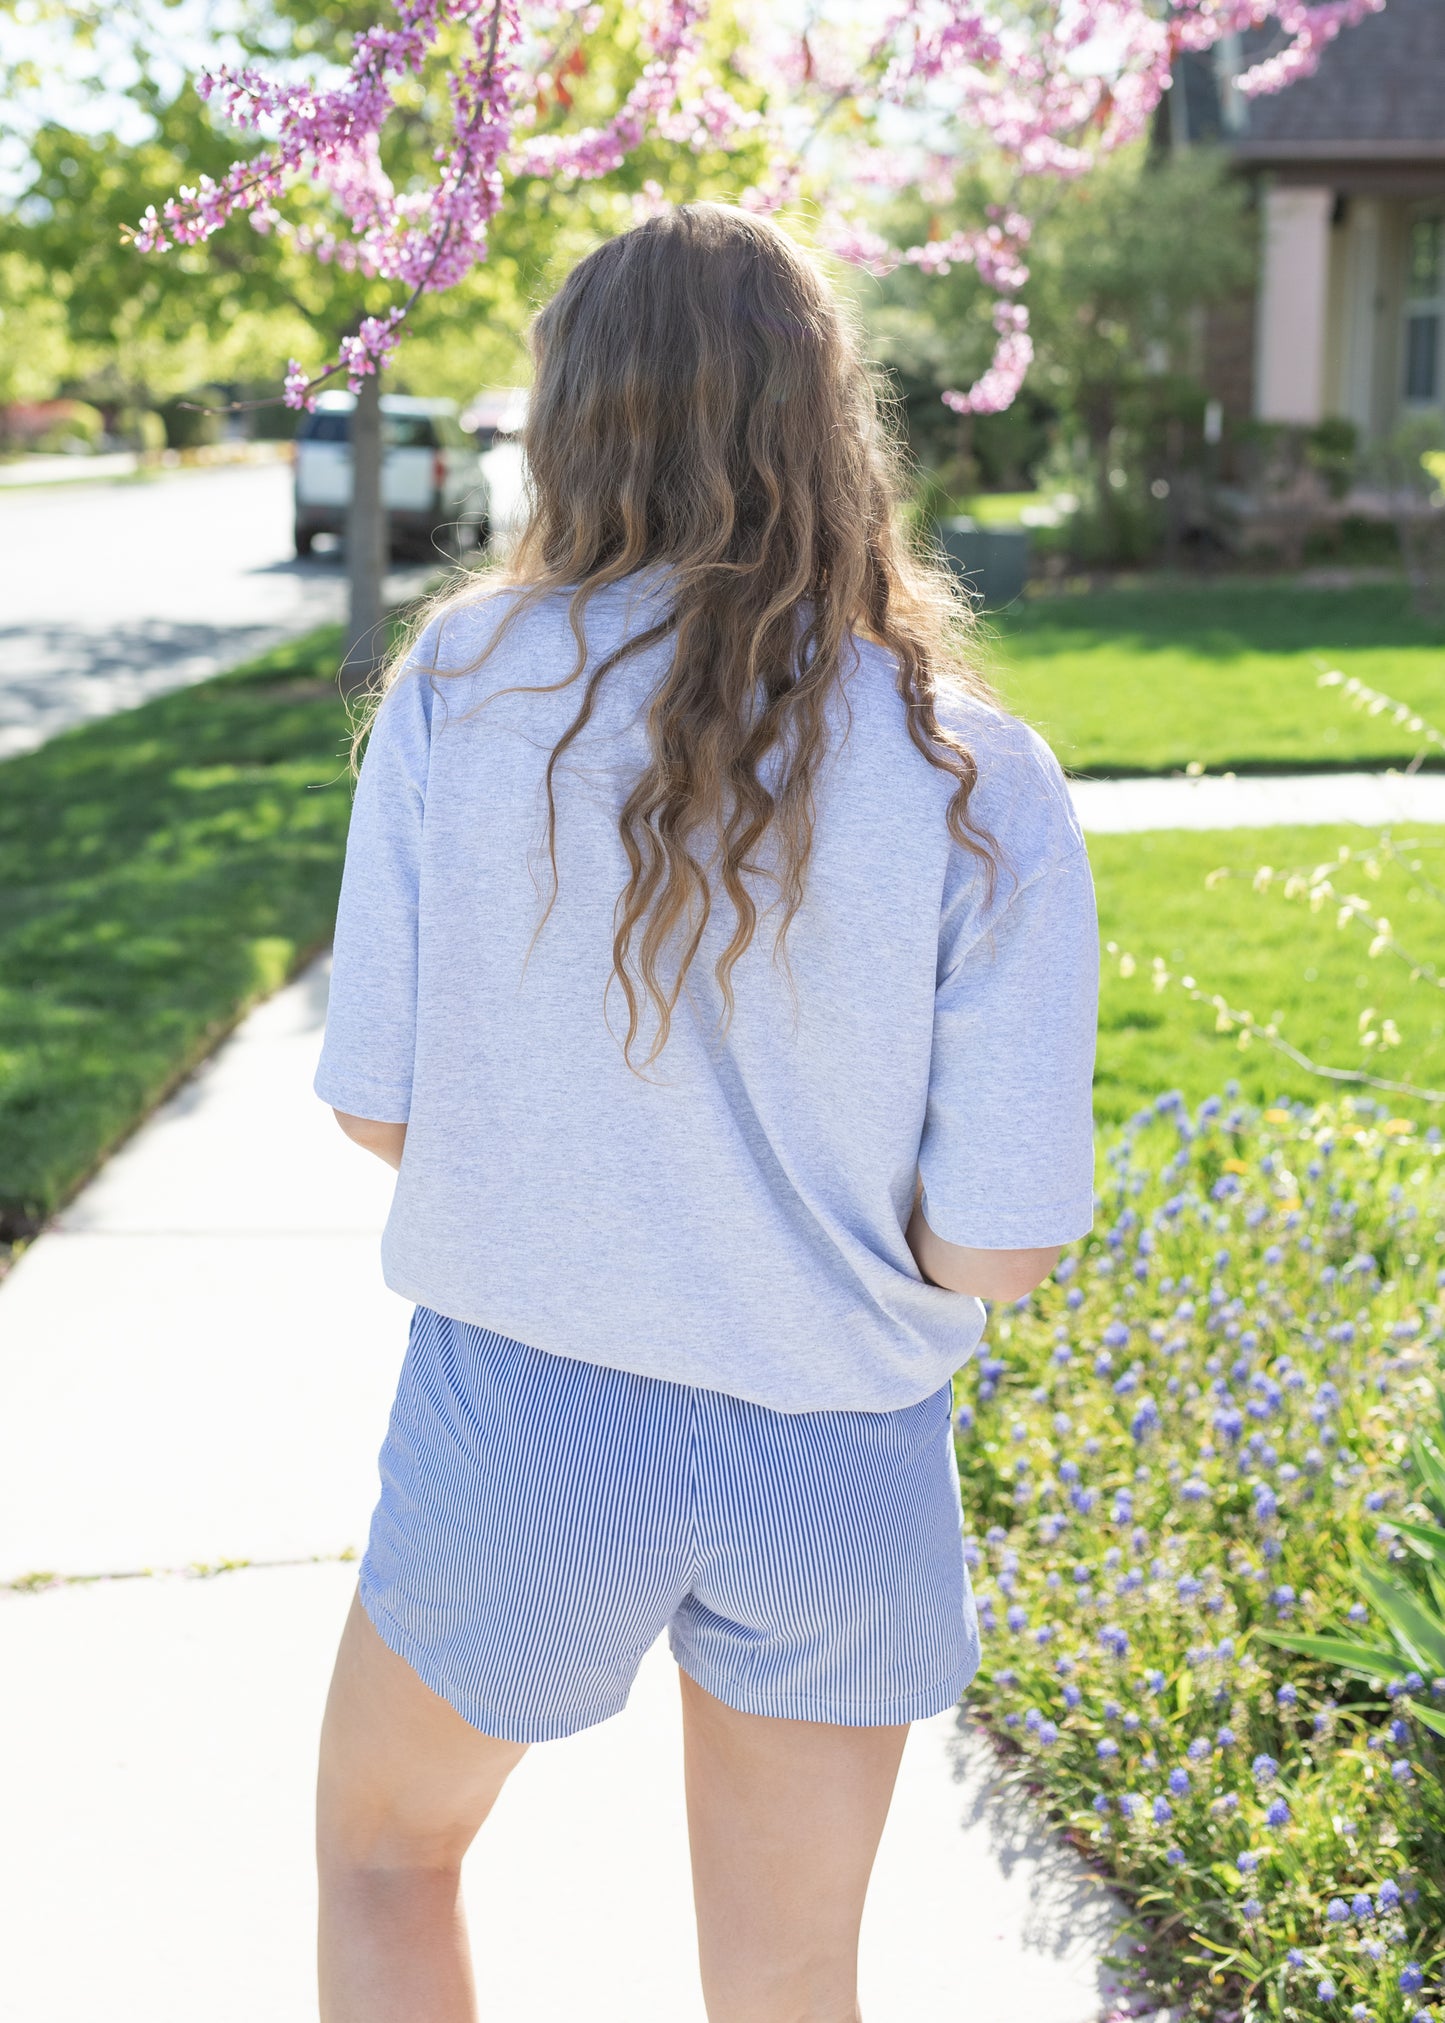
{"type": "Point", "coordinates": [717, 964]}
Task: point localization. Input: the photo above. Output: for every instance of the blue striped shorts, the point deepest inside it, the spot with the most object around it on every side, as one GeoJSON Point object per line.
{"type": "Point", "coordinates": [542, 1520]}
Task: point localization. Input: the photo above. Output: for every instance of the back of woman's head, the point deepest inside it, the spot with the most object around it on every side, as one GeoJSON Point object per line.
{"type": "Point", "coordinates": [700, 400]}
{"type": "Point", "coordinates": [701, 404]}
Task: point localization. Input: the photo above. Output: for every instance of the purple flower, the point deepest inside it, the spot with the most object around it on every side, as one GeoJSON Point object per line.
{"type": "Point", "coordinates": [1163, 1811]}
{"type": "Point", "coordinates": [1337, 1911]}
{"type": "Point", "coordinates": [1105, 1748]}
{"type": "Point", "coordinates": [1143, 1423]}
{"type": "Point", "coordinates": [1017, 1618]}
{"type": "Point", "coordinates": [1252, 1908]}
{"type": "Point", "coordinates": [1179, 1782]}
{"type": "Point", "coordinates": [1224, 1739]}
{"type": "Point", "coordinates": [1129, 1804]}
{"type": "Point", "coordinates": [1325, 1989]}
{"type": "Point", "coordinates": [1265, 1769]}
{"type": "Point", "coordinates": [1287, 1696]}
{"type": "Point", "coordinates": [1388, 1899]}
{"type": "Point", "coordinates": [1402, 1772]}
{"type": "Point", "coordinates": [1361, 1906]}
{"type": "Point", "coordinates": [1248, 1862]}
{"type": "Point", "coordinates": [1278, 1813]}
{"type": "Point", "coordinates": [1412, 1980]}
{"type": "Point", "coordinates": [1101, 1803]}
{"type": "Point", "coordinates": [1175, 1856]}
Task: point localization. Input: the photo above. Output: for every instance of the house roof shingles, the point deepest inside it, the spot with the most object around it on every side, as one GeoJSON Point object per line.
{"type": "Point", "coordinates": [1379, 91]}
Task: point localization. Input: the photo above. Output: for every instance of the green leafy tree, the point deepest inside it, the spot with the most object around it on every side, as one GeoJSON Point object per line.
{"type": "Point", "coordinates": [1120, 264]}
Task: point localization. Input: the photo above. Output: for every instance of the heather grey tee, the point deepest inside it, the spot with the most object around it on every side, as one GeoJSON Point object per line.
{"type": "Point", "coordinates": [735, 1217]}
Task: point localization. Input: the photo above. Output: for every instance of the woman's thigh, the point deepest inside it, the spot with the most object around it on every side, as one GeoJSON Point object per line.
{"type": "Point", "coordinates": [404, 1780]}
{"type": "Point", "coordinates": [784, 1818]}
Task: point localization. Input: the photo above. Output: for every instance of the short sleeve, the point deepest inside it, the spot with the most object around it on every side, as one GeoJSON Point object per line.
{"type": "Point", "coordinates": [1007, 1156]}
{"type": "Point", "coordinates": [366, 1060]}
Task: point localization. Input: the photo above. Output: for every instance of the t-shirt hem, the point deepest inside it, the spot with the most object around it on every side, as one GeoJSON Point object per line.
{"type": "Point", "coordinates": [645, 1366]}
{"type": "Point", "coordinates": [381, 1103]}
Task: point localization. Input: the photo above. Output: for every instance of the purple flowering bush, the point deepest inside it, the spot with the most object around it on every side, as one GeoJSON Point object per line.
{"type": "Point", "coordinates": [1175, 1448]}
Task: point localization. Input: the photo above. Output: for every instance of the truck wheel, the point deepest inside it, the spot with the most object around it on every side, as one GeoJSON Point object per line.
{"type": "Point", "coordinates": [304, 540]}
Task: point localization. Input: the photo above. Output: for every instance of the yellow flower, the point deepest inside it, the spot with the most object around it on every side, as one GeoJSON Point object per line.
{"type": "Point", "coordinates": [1235, 1166]}
{"type": "Point", "coordinates": [1398, 1127]}
{"type": "Point", "coordinates": [1276, 1116]}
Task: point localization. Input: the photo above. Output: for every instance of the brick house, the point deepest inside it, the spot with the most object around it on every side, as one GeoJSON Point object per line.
{"type": "Point", "coordinates": [1348, 318]}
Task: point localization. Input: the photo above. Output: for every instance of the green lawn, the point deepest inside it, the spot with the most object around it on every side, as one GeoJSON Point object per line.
{"type": "Point", "coordinates": [1151, 679]}
{"type": "Point", "coordinates": [159, 871]}
{"type": "Point", "coordinates": [1263, 954]}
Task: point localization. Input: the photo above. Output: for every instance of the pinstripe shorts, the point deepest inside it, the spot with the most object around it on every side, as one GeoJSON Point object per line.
{"type": "Point", "coordinates": [543, 1520]}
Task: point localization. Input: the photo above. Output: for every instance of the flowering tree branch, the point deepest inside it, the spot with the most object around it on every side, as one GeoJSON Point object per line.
{"type": "Point", "coordinates": [1046, 89]}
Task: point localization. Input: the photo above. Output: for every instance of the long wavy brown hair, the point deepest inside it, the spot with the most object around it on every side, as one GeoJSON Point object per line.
{"type": "Point", "coordinates": [701, 402]}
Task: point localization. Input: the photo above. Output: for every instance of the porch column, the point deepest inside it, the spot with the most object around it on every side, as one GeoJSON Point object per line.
{"type": "Point", "coordinates": [1293, 305]}
{"type": "Point", "coordinates": [1361, 317]}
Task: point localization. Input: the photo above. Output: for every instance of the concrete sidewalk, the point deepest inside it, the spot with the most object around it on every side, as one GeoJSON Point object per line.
{"type": "Point", "coordinates": [1258, 801]}
{"type": "Point", "coordinates": [196, 1365]}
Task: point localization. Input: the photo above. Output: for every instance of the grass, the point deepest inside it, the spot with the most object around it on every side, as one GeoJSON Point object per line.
{"type": "Point", "coordinates": [1226, 675]}
{"type": "Point", "coordinates": [1263, 953]}
{"type": "Point", "coordinates": [1004, 509]}
{"type": "Point", "coordinates": [1173, 1449]}
{"type": "Point", "coordinates": [159, 872]}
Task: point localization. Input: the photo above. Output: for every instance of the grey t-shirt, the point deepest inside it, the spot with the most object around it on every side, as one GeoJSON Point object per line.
{"type": "Point", "coordinates": [733, 1217]}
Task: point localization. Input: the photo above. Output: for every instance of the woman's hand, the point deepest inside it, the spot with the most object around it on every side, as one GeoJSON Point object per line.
{"type": "Point", "coordinates": [385, 1140]}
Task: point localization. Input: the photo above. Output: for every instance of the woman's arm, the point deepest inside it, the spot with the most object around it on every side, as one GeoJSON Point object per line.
{"type": "Point", "coordinates": [385, 1140]}
{"type": "Point", "coordinates": [986, 1274]}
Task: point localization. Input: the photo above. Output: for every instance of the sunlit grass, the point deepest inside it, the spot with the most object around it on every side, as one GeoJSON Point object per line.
{"type": "Point", "coordinates": [1264, 954]}
{"type": "Point", "coordinates": [159, 872]}
{"type": "Point", "coordinates": [1227, 674]}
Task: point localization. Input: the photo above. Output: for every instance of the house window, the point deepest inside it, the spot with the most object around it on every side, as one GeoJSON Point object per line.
{"type": "Point", "coordinates": [1424, 309]}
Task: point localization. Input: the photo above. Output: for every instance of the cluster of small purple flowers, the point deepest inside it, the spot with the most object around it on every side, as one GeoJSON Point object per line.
{"type": "Point", "coordinates": [1168, 1453]}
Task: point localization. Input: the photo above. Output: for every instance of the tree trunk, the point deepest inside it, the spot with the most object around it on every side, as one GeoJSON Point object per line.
{"type": "Point", "coordinates": [366, 542]}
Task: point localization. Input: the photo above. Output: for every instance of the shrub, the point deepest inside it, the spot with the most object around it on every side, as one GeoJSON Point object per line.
{"type": "Point", "coordinates": [1172, 1450]}
{"type": "Point", "coordinates": [192, 420]}
{"type": "Point", "coordinates": [72, 425]}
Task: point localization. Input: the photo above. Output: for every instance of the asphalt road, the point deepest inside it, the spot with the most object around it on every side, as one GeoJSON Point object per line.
{"type": "Point", "coordinates": [112, 593]}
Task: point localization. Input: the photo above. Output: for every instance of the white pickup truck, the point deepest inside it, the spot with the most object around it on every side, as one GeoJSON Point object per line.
{"type": "Point", "coordinates": [432, 483]}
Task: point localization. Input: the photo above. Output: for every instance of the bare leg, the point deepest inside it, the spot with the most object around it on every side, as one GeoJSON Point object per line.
{"type": "Point", "coordinates": [405, 1783]}
{"type": "Point", "coordinates": [784, 1819]}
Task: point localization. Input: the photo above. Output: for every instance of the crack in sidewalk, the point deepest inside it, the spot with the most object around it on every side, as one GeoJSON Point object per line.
{"type": "Point", "coordinates": [46, 1582]}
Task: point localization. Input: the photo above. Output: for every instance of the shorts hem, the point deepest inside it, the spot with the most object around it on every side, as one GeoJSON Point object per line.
{"type": "Point", "coordinates": [501, 1727]}
{"type": "Point", "coordinates": [779, 1704]}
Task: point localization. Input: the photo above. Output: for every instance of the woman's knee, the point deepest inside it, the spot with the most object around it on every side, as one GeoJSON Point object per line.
{"type": "Point", "coordinates": [404, 1782]}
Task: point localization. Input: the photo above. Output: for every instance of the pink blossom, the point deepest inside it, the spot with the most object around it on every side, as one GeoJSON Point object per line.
{"type": "Point", "coordinates": [1049, 89]}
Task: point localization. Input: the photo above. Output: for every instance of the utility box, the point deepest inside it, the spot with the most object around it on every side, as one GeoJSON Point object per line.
{"type": "Point", "coordinates": [992, 563]}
